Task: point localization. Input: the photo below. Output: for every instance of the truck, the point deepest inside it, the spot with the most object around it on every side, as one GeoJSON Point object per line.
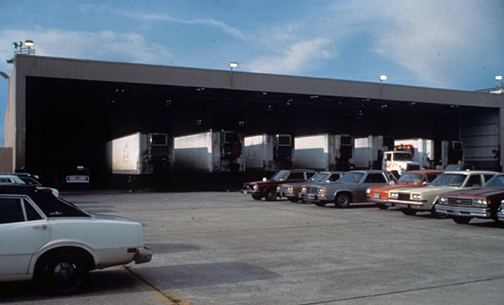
{"type": "Point", "coordinates": [268, 152]}
{"type": "Point", "coordinates": [369, 151]}
{"type": "Point", "coordinates": [210, 152]}
{"type": "Point", "coordinates": [432, 153]}
{"type": "Point", "coordinates": [326, 152]}
{"type": "Point", "coordinates": [140, 153]}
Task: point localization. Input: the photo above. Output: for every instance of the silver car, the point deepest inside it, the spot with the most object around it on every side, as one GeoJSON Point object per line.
{"type": "Point", "coordinates": [350, 188]}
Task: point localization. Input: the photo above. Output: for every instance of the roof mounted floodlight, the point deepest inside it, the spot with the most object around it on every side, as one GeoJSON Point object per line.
{"type": "Point", "coordinates": [233, 65]}
{"type": "Point", "coordinates": [383, 78]}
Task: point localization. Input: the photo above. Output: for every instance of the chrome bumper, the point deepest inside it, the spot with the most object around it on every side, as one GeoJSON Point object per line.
{"type": "Point", "coordinates": [417, 205]}
{"type": "Point", "coordinates": [250, 192]}
{"type": "Point", "coordinates": [143, 255]}
{"type": "Point", "coordinates": [463, 211]}
{"type": "Point", "coordinates": [500, 215]}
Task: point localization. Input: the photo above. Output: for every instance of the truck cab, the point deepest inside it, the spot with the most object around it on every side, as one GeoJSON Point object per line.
{"type": "Point", "coordinates": [399, 162]}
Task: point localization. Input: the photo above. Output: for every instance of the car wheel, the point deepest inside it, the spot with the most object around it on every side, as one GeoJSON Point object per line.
{"type": "Point", "coordinates": [381, 206]}
{"type": "Point", "coordinates": [342, 201]}
{"type": "Point", "coordinates": [461, 220]}
{"type": "Point", "coordinates": [293, 199]}
{"type": "Point", "coordinates": [257, 197]}
{"type": "Point", "coordinates": [320, 204]}
{"type": "Point", "coordinates": [270, 195]}
{"type": "Point", "coordinates": [408, 212]}
{"type": "Point", "coordinates": [63, 273]}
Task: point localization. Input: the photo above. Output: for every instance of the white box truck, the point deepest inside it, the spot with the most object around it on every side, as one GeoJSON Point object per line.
{"type": "Point", "coordinates": [324, 152]}
{"type": "Point", "coordinates": [268, 152]}
{"type": "Point", "coordinates": [210, 152]}
{"type": "Point", "coordinates": [140, 153]}
{"type": "Point", "coordinates": [369, 151]}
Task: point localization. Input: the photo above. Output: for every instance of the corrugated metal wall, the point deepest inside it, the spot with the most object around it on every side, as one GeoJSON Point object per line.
{"type": "Point", "coordinates": [6, 159]}
{"type": "Point", "coordinates": [480, 135]}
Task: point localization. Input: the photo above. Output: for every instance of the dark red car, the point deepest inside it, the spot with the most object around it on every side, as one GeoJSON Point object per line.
{"type": "Point", "coordinates": [268, 187]}
{"type": "Point", "coordinates": [474, 203]}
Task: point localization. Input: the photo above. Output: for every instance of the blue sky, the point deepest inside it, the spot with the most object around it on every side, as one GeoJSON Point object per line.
{"type": "Point", "coordinates": [452, 44]}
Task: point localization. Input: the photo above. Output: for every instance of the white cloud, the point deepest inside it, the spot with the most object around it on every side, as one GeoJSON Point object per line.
{"type": "Point", "coordinates": [205, 21]}
{"type": "Point", "coordinates": [129, 47]}
{"type": "Point", "coordinates": [298, 58]}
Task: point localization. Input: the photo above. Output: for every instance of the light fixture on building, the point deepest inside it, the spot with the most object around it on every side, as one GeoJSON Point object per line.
{"type": "Point", "coordinates": [383, 78]}
{"type": "Point", "coordinates": [22, 48]}
{"type": "Point", "coordinates": [498, 78]}
{"type": "Point", "coordinates": [232, 65]}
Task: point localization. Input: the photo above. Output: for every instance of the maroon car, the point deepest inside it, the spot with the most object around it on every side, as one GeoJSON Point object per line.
{"type": "Point", "coordinates": [474, 203]}
{"type": "Point", "coordinates": [267, 188]}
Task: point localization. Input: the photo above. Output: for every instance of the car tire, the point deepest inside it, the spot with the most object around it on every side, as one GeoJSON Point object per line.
{"type": "Point", "coordinates": [461, 220]}
{"type": "Point", "coordinates": [270, 195]}
{"type": "Point", "coordinates": [257, 197]}
{"type": "Point", "coordinates": [293, 199]}
{"type": "Point", "coordinates": [342, 201]}
{"type": "Point", "coordinates": [381, 206]}
{"type": "Point", "coordinates": [409, 212]}
{"type": "Point", "coordinates": [62, 273]}
{"type": "Point", "coordinates": [320, 204]}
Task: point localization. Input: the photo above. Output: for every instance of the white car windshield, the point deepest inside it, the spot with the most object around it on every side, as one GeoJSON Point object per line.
{"type": "Point", "coordinates": [411, 178]}
{"type": "Point", "coordinates": [351, 178]}
{"type": "Point", "coordinates": [449, 180]}
{"type": "Point", "coordinates": [495, 182]}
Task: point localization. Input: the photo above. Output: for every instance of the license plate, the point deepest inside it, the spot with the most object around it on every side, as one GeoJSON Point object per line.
{"type": "Point", "coordinates": [376, 195]}
{"type": "Point", "coordinates": [77, 179]}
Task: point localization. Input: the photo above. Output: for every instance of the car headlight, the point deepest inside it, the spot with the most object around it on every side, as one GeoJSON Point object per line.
{"type": "Point", "coordinates": [256, 187]}
{"type": "Point", "coordinates": [417, 197]}
{"type": "Point", "coordinates": [322, 191]}
{"type": "Point", "coordinates": [303, 190]}
{"type": "Point", "coordinates": [443, 200]}
{"type": "Point", "coordinates": [290, 190]}
{"type": "Point", "coordinates": [393, 195]}
{"type": "Point", "coordinates": [479, 202]}
{"type": "Point", "coordinates": [368, 190]}
{"type": "Point", "coordinates": [278, 189]}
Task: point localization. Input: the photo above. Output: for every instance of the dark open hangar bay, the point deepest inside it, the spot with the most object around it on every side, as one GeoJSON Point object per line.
{"type": "Point", "coordinates": [62, 111]}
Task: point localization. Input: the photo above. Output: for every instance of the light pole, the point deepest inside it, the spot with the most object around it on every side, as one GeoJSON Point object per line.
{"type": "Point", "coordinates": [382, 78]}
{"type": "Point", "coordinates": [498, 78]}
{"type": "Point", "coordinates": [232, 65]}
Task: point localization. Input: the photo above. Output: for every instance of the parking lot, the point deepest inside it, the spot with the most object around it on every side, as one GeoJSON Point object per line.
{"type": "Point", "coordinates": [225, 248]}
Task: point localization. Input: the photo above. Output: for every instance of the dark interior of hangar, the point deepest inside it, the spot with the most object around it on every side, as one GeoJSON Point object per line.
{"type": "Point", "coordinates": [68, 122]}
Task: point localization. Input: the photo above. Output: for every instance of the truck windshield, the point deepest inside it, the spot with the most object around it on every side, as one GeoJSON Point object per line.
{"type": "Point", "coordinates": [280, 175]}
{"type": "Point", "coordinates": [495, 182]}
{"type": "Point", "coordinates": [402, 157]}
{"type": "Point", "coordinates": [449, 180]}
{"type": "Point", "coordinates": [350, 178]}
{"type": "Point", "coordinates": [411, 178]}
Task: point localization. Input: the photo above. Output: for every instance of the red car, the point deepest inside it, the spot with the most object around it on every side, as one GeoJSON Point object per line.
{"type": "Point", "coordinates": [268, 188]}
{"type": "Point", "coordinates": [379, 194]}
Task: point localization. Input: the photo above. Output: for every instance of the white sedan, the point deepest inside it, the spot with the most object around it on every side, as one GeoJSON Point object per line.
{"type": "Point", "coordinates": [54, 242]}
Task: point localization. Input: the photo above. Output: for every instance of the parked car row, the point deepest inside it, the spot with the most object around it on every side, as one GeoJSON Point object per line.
{"type": "Point", "coordinates": [461, 194]}
{"type": "Point", "coordinates": [340, 188]}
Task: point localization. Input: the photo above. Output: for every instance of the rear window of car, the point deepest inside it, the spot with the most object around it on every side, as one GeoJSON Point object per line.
{"type": "Point", "coordinates": [56, 207]}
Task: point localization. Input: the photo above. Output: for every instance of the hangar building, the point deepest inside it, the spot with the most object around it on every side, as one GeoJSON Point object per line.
{"type": "Point", "coordinates": [61, 112]}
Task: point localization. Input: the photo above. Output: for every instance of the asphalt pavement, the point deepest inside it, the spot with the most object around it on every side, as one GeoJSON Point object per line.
{"type": "Point", "coordinates": [225, 248]}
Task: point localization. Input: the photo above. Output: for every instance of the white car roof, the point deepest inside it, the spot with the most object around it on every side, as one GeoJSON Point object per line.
{"type": "Point", "coordinates": [472, 172]}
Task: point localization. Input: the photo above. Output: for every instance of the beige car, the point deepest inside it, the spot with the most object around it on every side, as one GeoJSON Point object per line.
{"type": "Point", "coordinates": [413, 200]}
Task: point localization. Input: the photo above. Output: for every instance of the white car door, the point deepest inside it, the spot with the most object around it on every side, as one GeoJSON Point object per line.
{"type": "Point", "coordinates": [22, 232]}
